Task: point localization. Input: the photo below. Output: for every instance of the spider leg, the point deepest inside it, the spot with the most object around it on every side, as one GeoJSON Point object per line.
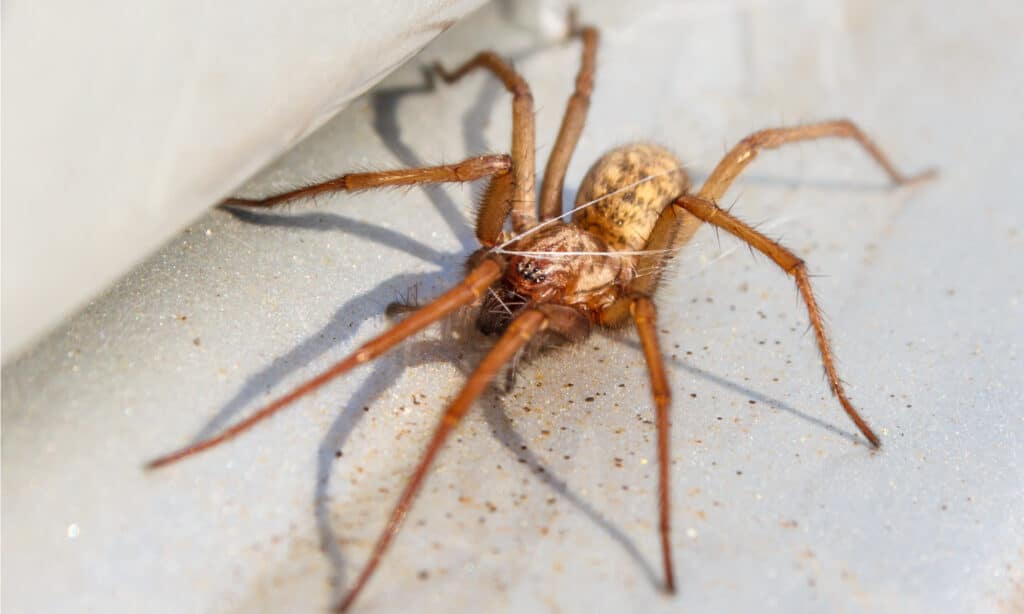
{"type": "Point", "coordinates": [515, 337]}
{"type": "Point", "coordinates": [465, 171]}
{"type": "Point", "coordinates": [572, 125]}
{"type": "Point", "coordinates": [644, 315]}
{"type": "Point", "coordinates": [494, 207]}
{"type": "Point", "coordinates": [524, 198]}
{"type": "Point", "coordinates": [470, 289]}
{"type": "Point", "coordinates": [746, 150]}
{"type": "Point", "coordinates": [675, 227]}
{"type": "Point", "coordinates": [791, 264]}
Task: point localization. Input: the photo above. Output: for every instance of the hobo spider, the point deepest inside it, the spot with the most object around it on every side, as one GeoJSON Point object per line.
{"type": "Point", "coordinates": [561, 277]}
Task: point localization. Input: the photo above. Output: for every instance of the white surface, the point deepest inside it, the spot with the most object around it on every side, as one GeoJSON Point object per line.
{"type": "Point", "coordinates": [775, 509]}
{"type": "Point", "coordinates": [124, 121]}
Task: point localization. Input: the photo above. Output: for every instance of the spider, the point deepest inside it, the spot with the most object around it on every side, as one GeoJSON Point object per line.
{"type": "Point", "coordinates": [558, 274]}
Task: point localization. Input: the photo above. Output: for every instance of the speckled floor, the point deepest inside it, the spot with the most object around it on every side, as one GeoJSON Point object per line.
{"type": "Point", "coordinates": [545, 500]}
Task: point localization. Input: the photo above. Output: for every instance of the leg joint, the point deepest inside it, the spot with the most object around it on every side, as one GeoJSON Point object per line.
{"type": "Point", "coordinates": [521, 90]}
{"type": "Point", "coordinates": [797, 267]}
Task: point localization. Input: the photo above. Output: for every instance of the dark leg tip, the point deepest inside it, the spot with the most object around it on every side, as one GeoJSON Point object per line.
{"type": "Point", "coordinates": [873, 439]}
{"type": "Point", "coordinates": [670, 584]}
{"type": "Point", "coordinates": [154, 464]}
{"type": "Point", "coordinates": [345, 604]}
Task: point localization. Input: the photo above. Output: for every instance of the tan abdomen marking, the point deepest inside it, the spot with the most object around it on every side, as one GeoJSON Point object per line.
{"type": "Point", "coordinates": [625, 220]}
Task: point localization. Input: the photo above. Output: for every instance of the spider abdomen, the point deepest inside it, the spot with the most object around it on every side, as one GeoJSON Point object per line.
{"type": "Point", "coordinates": [624, 220]}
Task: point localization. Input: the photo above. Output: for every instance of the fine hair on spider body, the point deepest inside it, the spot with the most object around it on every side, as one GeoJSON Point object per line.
{"type": "Point", "coordinates": [541, 270]}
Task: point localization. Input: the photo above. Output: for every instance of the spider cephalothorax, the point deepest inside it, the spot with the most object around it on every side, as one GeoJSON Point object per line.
{"type": "Point", "coordinates": [566, 265]}
{"type": "Point", "coordinates": [632, 212]}
{"type": "Point", "coordinates": [560, 266]}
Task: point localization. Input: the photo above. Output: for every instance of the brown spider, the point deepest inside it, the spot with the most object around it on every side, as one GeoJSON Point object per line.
{"type": "Point", "coordinates": [633, 211]}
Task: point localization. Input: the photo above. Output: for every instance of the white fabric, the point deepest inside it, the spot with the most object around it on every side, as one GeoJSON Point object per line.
{"type": "Point", "coordinates": [123, 121]}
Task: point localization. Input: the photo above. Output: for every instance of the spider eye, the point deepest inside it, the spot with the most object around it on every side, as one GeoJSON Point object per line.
{"type": "Point", "coordinates": [530, 271]}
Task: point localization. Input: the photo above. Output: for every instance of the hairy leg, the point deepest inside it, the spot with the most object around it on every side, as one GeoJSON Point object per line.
{"type": "Point", "coordinates": [467, 170]}
{"type": "Point", "coordinates": [791, 264]}
{"type": "Point", "coordinates": [572, 125]}
{"type": "Point", "coordinates": [746, 150]}
{"type": "Point", "coordinates": [470, 289]}
{"type": "Point", "coordinates": [524, 197]}
{"type": "Point", "coordinates": [675, 227]}
{"type": "Point", "coordinates": [515, 337]}
{"type": "Point", "coordinates": [493, 209]}
{"type": "Point", "coordinates": [644, 314]}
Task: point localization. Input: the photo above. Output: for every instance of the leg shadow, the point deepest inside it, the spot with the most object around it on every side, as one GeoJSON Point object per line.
{"type": "Point", "coordinates": [327, 222]}
{"type": "Point", "coordinates": [385, 122]}
{"type": "Point", "coordinates": [339, 331]}
{"type": "Point", "coordinates": [384, 375]}
{"type": "Point", "coordinates": [495, 416]}
{"type": "Point", "coordinates": [750, 393]}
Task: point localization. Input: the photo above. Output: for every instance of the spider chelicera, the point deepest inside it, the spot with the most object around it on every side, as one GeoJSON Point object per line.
{"type": "Point", "coordinates": [561, 274]}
